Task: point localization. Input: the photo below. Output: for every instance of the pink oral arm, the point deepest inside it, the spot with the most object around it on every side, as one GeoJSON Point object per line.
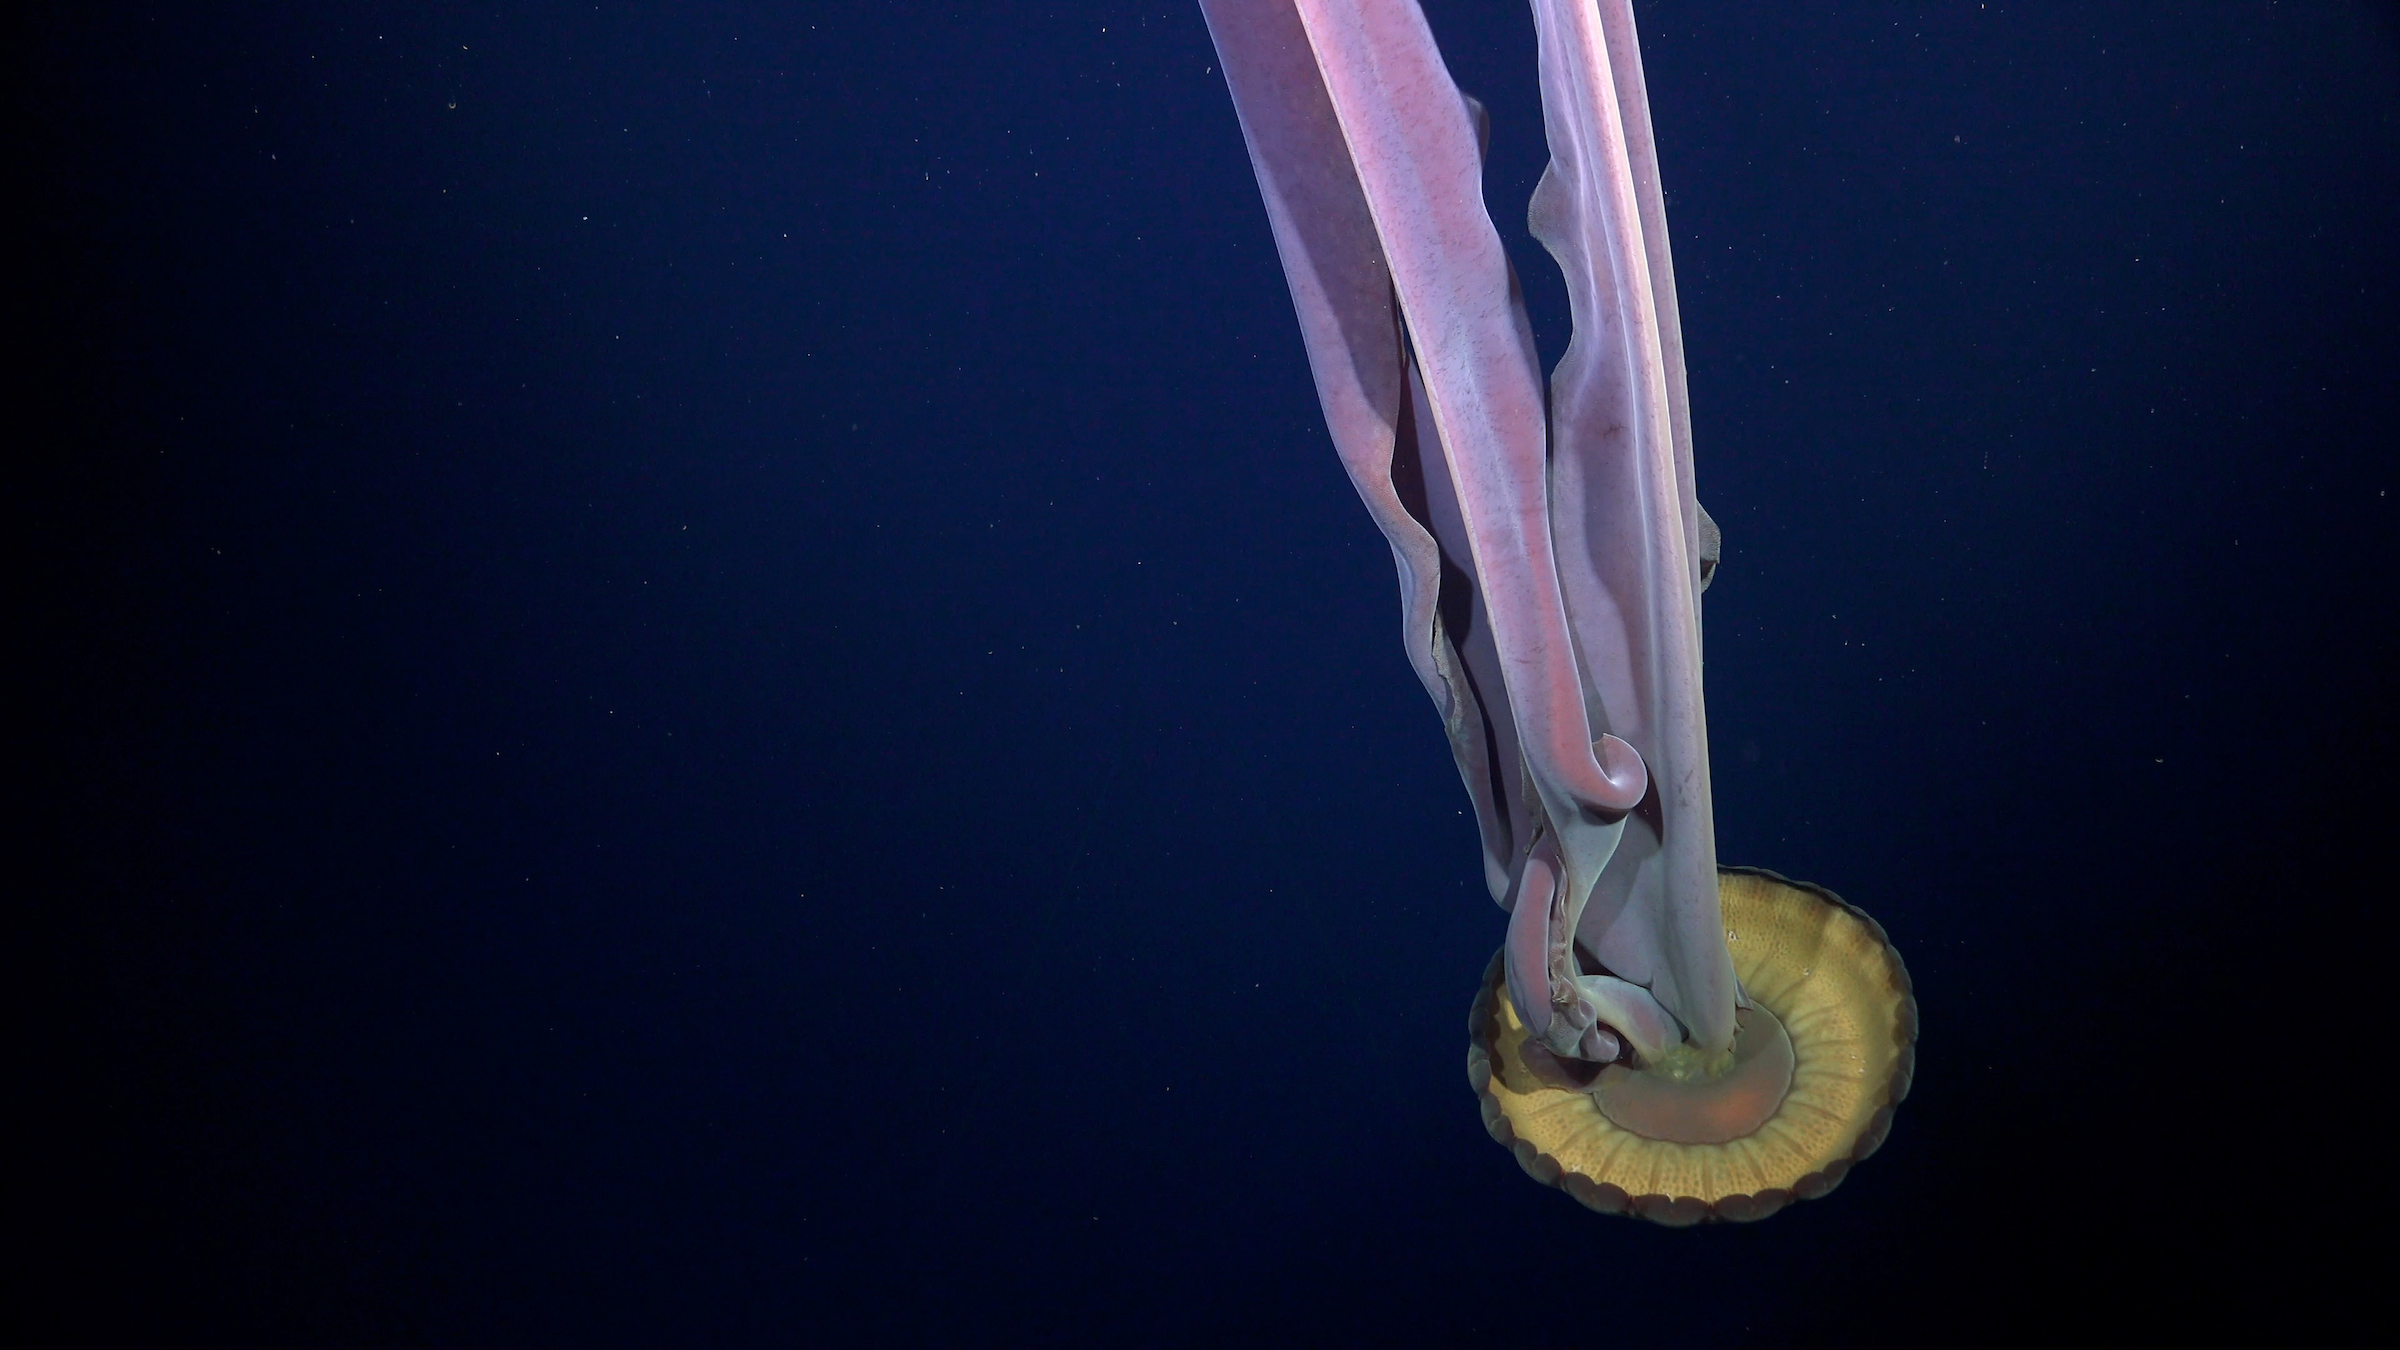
{"type": "Point", "coordinates": [1342, 291]}
{"type": "Point", "coordinates": [1624, 513]}
{"type": "Point", "coordinates": [1413, 148]}
{"type": "Point", "coordinates": [1579, 532]}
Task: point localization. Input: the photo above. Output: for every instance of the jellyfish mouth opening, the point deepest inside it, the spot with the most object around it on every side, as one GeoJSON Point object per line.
{"type": "Point", "coordinates": [1690, 1097]}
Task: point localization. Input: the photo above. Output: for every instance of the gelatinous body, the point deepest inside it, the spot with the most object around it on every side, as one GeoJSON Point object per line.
{"type": "Point", "coordinates": [1550, 545]}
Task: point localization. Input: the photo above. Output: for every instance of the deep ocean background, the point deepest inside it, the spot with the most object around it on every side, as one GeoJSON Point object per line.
{"type": "Point", "coordinates": [699, 674]}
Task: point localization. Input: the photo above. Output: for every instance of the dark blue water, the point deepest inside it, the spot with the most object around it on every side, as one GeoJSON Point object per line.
{"type": "Point", "coordinates": [699, 674]}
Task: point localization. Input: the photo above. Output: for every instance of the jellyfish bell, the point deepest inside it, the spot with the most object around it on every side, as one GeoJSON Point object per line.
{"type": "Point", "coordinates": [1825, 1049]}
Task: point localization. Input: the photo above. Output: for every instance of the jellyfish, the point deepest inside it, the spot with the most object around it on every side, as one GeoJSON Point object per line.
{"type": "Point", "coordinates": [1657, 1035]}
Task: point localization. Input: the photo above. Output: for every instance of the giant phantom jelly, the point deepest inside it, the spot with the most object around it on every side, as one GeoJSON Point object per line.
{"type": "Point", "coordinates": [1657, 1035]}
